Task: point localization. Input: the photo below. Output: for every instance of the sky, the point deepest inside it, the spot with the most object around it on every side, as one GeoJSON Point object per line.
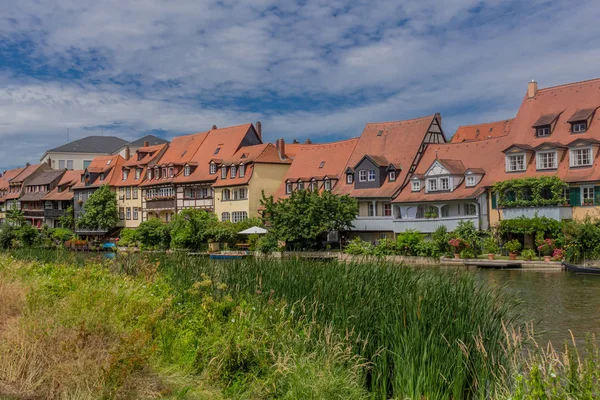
{"type": "Point", "coordinates": [305, 69]}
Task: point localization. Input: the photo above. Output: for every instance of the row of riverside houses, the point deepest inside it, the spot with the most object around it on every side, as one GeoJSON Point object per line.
{"type": "Point", "coordinates": [404, 174]}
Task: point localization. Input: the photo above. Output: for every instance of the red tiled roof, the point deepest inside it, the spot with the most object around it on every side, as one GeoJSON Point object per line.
{"type": "Point", "coordinates": [8, 175]}
{"type": "Point", "coordinates": [397, 142]}
{"type": "Point", "coordinates": [20, 178]}
{"type": "Point", "coordinates": [455, 167]}
{"type": "Point", "coordinates": [68, 180]}
{"type": "Point", "coordinates": [291, 149]}
{"type": "Point", "coordinates": [110, 169]}
{"type": "Point", "coordinates": [306, 164]}
{"type": "Point", "coordinates": [149, 154]}
{"type": "Point", "coordinates": [469, 133]}
{"type": "Point", "coordinates": [55, 195]}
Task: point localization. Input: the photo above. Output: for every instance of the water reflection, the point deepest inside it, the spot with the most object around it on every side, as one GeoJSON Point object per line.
{"type": "Point", "coordinates": [555, 300]}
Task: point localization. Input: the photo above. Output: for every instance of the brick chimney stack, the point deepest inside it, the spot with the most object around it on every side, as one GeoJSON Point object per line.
{"type": "Point", "coordinates": [127, 153]}
{"type": "Point", "coordinates": [308, 141]}
{"type": "Point", "coordinates": [532, 89]}
{"type": "Point", "coordinates": [280, 145]}
{"type": "Point", "coordinates": [259, 130]}
{"type": "Point", "coordinates": [214, 127]}
{"type": "Point", "coordinates": [146, 143]}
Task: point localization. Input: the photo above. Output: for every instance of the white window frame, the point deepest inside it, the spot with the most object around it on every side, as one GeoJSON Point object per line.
{"type": "Point", "coordinates": [70, 165]}
{"type": "Point", "coordinates": [444, 183]}
{"type": "Point", "coordinates": [371, 209]}
{"type": "Point", "coordinates": [392, 176]}
{"type": "Point", "coordinates": [579, 127]}
{"type": "Point", "coordinates": [327, 184]}
{"type": "Point", "coordinates": [371, 177]}
{"type": "Point", "coordinates": [243, 193]}
{"type": "Point", "coordinates": [288, 187]}
{"type": "Point", "coordinates": [223, 172]}
{"type": "Point", "coordinates": [362, 175]}
{"type": "Point", "coordinates": [573, 157]}
{"type": "Point", "coordinates": [470, 206]}
{"type": "Point", "coordinates": [225, 216]}
{"type": "Point", "coordinates": [545, 131]}
{"type": "Point", "coordinates": [242, 170]}
{"type": "Point", "coordinates": [509, 163]}
{"type": "Point", "coordinates": [233, 171]}
{"type": "Point", "coordinates": [138, 173]}
{"type": "Point", "coordinates": [540, 162]}
{"type": "Point", "coordinates": [587, 189]}
{"type": "Point", "coordinates": [349, 179]}
{"type": "Point", "coordinates": [432, 185]}
{"type": "Point", "coordinates": [416, 186]}
{"type": "Point", "coordinates": [187, 170]}
{"type": "Point", "coordinates": [300, 185]}
{"type": "Point", "coordinates": [213, 168]}
{"type": "Point", "coordinates": [149, 174]}
{"type": "Point", "coordinates": [470, 181]}
{"type": "Point", "coordinates": [125, 174]}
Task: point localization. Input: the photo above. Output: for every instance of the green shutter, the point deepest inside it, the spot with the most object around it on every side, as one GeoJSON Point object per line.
{"type": "Point", "coordinates": [575, 196]}
{"type": "Point", "coordinates": [494, 201]}
{"type": "Point", "coordinates": [597, 196]}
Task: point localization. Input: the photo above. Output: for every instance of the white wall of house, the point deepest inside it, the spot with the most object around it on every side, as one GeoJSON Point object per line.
{"type": "Point", "coordinates": [70, 160]}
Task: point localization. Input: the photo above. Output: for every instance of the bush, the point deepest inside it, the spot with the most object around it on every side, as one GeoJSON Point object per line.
{"type": "Point", "coordinates": [61, 235]}
{"type": "Point", "coordinates": [268, 243]}
{"type": "Point", "coordinates": [28, 235]}
{"type": "Point", "coordinates": [128, 237]}
{"type": "Point", "coordinates": [513, 246]}
{"type": "Point", "coordinates": [153, 234]}
{"type": "Point", "coordinates": [358, 247]}
{"type": "Point", "coordinates": [528, 254]}
{"type": "Point", "coordinates": [7, 235]}
{"type": "Point", "coordinates": [385, 247]}
{"type": "Point", "coordinates": [466, 231]}
{"type": "Point", "coordinates": [409, 242]}
{"type": "Point", "coordinates": [490, 245]}
{"type": "Point", "coordinates": [428, 248]}
{"type": "Point", "coordinates": [441, 237]}
{"type": "Point", "coordinates": [191, 229]}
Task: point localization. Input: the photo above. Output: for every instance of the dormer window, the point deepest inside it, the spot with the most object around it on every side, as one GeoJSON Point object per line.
{"type": "Point", "coordinates": [432, 185]}
{"type": "Point", "coordinates": [580, 157]}
{"type": "Point", "coordinates": [233, 171]}
{"type": "Point", "coordinates": [371, 175]}
{"type": "Point", "coordinates": [416, 186]}
{"type": "Point", "coordinates": [392, 176]}
{"type": "Point", "coordinates": [579, 127]}
{"type": "Point", "coordinates": [164, 173]}
{"type": "Point", "coordinates": [156, 173]}
{"type": "Point", "coordinates": [349, 178]}
{"type": "Point", "coordinates": [101, 177]}
{"type": "Point", "coordinates": [149, 174]}
{"type": "Point", "coordinates": [515, 162]}
{"type": "Point", "coordinates": [327, 184]}
{"type": "Point", "coordinates": [313, 185]}
{"type": "Point", "coordinates": [223, 172]}
{"type": "Point", "coordinates": [288, 187]}
{"type": "Point", "coordinates": [444, 183]}
{"type": "Point", "coordinates": [300, 185]}
{"type": "Point", "coordinates": [138, 173]}
{"type": "Point", "coordinates": [125, 174]}
{"type": "Point", "coordinates": [362, 175]}
{"type": "Point", "coordinates": [543, 131]}
{"type": "Point", "coordinates": [546, 160]}
{"type": "Point", "coordinates": [187, 170]}
{"type": "Point", "coordinates": [242, 170]}
{"type": "Point", "coordinates": [470, 181]}
{"type": "Point", "coordinates": [171, 172]}
{"type": "Point", "coordinates": [213, 168]}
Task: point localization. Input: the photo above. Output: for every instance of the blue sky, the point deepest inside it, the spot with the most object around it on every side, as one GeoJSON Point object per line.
{"type": "Point", "coordinates": [318, 69]}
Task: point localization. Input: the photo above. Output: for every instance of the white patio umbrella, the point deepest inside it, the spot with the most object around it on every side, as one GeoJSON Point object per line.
{"type": "Point", "coordinates": [254, 230]}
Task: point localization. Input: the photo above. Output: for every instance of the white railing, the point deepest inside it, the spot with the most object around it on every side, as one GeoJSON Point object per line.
{"type": "Point", "coordinates": [373, 224]}
{"type": "Point", "coordinates": [429, 225]}
{"type": "Point", "coordinates": [557, 213]}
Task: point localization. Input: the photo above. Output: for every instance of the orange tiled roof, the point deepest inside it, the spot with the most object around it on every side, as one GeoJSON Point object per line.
{"type": "Point", "coordinates": [109, 165]}
{"type": "Point", "coordinates": [487, 130]}
{"type": "Point", "coordinates": [69, 179]}
{"type": "Point", "coordinates": [146, 155]}
{"type": "Point", "coordinates": [307, 163]}
{"type": "Point", "coordinates": [20, 178]}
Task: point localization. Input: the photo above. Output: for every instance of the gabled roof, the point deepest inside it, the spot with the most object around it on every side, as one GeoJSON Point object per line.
{"type": "Point", "coordinates": [398, 142]}
{"type": "Point", "coordinates": [110, 166]}
{"type": "Point", "coordinates": [25, 173]}
{"type": "Point", "coordinates": [555, 145]}
{"type": "Point", "coordinates": [582, 115]}
{"type": "Point", "coordinates": [182, 149]}
{"type": "Point", "coordinates": [584, 141]}
{"type": "Point", "coordinates": [63, 191]}
{"type": "Point", "coordinates": [379, 161]}
{"type": "Point", "coordinates": [8, 175]}
{"type": "Point", "coordinates": [145, 155]}
{"type": "Point", "coordinates": [91, 144]}
{"type": "Point", "coordinates": [488, 130]}
{"type": "Point", "coordinates": [308, 160]}
{"type": "Point", "coordinates": [520, 146]}
{"type": "Point", "coordinates": [546, 119]}
{"type": "Point", "coordinates": [479, 171]}
{"type": "Point", "coordinates": [151, 139]}
{"type": "Point", "coordinates": [46, 177]}
{"type": "Point", "coordinates": [454, 167]}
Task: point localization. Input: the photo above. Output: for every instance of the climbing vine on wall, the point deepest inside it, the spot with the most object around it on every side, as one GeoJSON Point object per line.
{"type": "Point", "coordinates": [530, 192]}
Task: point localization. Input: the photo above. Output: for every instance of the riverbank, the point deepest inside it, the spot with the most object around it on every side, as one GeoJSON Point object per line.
{"type": "Point", "coordinates": [187, 327]}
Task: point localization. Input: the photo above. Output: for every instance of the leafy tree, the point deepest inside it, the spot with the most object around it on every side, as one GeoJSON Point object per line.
{"type": "Point", "coordinates": [7, 235]}
{"type": "Point", "coordinates": [28, 235]}
{"type": "Point", "coordinates": [100, 210]}
{"type": "Point", "coordinates": [192, 228]}
{"type": "Point", "coordinates": [306, 216]}
{"type": "Point", "coordinates": [67, 220]}
{"type": "Point", "coordinates": [15, 216]}
{"type": "Point", "coordinates": [153, 234]}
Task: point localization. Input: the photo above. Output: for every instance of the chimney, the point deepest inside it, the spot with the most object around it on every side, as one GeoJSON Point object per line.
{"type": "Point", "coordinates": [439, 118]}
{"type": "Point", "coordinates": [259, 130]}
{"type": "Point", "coordinates": [127, 153]}
{"type": "Point", "coordinates": [146, 144]}
{"type": "Point", "coordinates": [295, 141]}
{"type": "Point", "coordinates": [280, 145]}
{"type": "Point", "coordinates": [49, 161]}
{"type": "Point", "coordinates": [27, 164]}
{"type": "Point", "coordinates": [532, 89]}
{"type": "Point", "coordinates": [214, 127]}
{"type": "Point", "coordinates": [308, 141]}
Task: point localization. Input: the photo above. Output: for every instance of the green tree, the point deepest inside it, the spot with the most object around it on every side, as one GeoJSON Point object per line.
{"type": "Point", "coordinates": [100, 210]}
{"type": "Point", "coordinates": [153, 234]}
{"type": "Point", "coordinates": [67, 220]}
{"type": "Point", "coordinates": [192, 228]}
{"type": "Point", "coordinates": [15, 216]}
{"type": "Point", "coordinates": [306, 216]}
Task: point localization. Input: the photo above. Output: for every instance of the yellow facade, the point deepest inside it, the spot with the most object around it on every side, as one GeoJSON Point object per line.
{"type": "Point", "coordinates": [265, 177]}
{"type": "Point", "coordinates": [130, 202]}
{"type": "Point", "coordinates": [495, 214]}
{"type": "Point", "coordinates": [580, 213]}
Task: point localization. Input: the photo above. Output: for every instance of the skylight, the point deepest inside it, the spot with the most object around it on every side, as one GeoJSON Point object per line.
{"type": "Point", "coordinates": [217, 150]}
{"type": "Point", "coordinates": [380, 133]}
{"type": "Point", "coordinates": [109, 161]}
{"type": "Point", "coordinates": [322, 164]}
{"type": "Point", "coordinates": [245, 155]}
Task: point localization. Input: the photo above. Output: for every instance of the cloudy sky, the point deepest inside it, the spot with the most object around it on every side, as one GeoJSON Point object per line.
{"type": "Point", "coordinates": [318, 69]}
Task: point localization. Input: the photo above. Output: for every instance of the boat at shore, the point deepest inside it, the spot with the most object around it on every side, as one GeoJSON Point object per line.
{"type": "Point", "coordinates": [581, 270]}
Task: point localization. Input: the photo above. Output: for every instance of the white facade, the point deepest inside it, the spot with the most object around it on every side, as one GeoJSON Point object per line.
{"type": "Point", "coordinates": [70, 160]}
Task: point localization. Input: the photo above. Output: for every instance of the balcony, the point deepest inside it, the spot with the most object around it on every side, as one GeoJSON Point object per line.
{"type": "Point", "coordinates": [373, 224]}
{"type": "Point", "coordinates": [429, 225]}
{"type": "Point", "coordinates": [52, 213]}
{"type": "Point", "coordinates": [33, 213]}
{"type": "Point", "coordinates": [160, 204]}
{"type": "Point", "coordinates": [553, 212]}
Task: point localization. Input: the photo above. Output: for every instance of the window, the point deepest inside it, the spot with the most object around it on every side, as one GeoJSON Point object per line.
{"type": "Point", "coordinates": [543, 131]}
{"type": "Point", "coordinates": [223, 172]}
{"type": "Point", "coordinates": [288, 187]}
{"type": "Point", "coordinates": [239, 216]}
{"type": "Point", "coordinates": [121, 213]}
{"type": "Point", "coordinates": [327, 184]}
{"type": "Point", "coordinates": [243, 193]}
{"type": "Point", "coordinates": [546, 193]}
{"type": "Point", "coordinates": [387, 209]}
{"type": "Point", "coordinates": [156, 173]}
{"type": "Point", "coordinates": [362, 175]}
{"type": "Point", "coordinates": [581, 157]}
{"type": "Point", "coordinates": [135, 214]}
{"type": "Point", "coordinates": [371, 175]}
{"type": "Point", "coordinates": [128, 212]}
{"type": "Point", "coordinates": [416, 186]}
{"type": "Point", "coordinates": [233, 171]}
{"type": "Point", "coordinates": [171, 172]}
{"type": "Point", "coordinates": [587, 195]}
{"type": "Point", "coordinates": [186, 170]}
{"type": "Point", "coordinates": [314, 186]}
{"type": "Point", "coordinates": [444, 184]}
{"type": "Point", "coordinates": [61, 164]}
{"type": "Point", "coordinates": [372, 209]}
{"type": "Point", "coordinates": [515, 162]}
{"type": "Point", "coordinates": [102, 176]}
{"type": "Point", "coordinates": [164, 172]}
{"type": "Point", "coordinates": [70, 165]}
{"type": "Point", "coordinates": [135, 192]}
{"type": "Point", "coordinates": [470, 209]}
{"type": "Point", "coordinates": [125, 174]}
{"type": "Point", "coordinates": [470, 181]}
{"type": "Point", "coordinates": [300, 185]}
{"type": "Point", "coordinates": [547, 160]}
{"type": "Point", "coordinates": [566, 195]}
{"type": "Point", "coordinates": [349, 178]}
{"type": "Point", "coordinates": [579, 127]}
{"type": "Point", "coordinates": [138, 173]}
{"type": "Point", "coordinates": [392, 176]}
{"type": "Point", "coordinates": [213, 168]}
{"type": "Point", "coordinates": [109, 161]}
{"type": "Point", "coordinates": [149, 174]}
{"type": "Point", "coordinates": [432, 185]}
{"type": "Point", "coordinates": [226, 194]}
{"type": "Point", "coordinates": [225, 216]}
{"type": "Point", "coordinates": [86, 163]}
{"type": "Point", "coordinates": [128, 193]}
{"type": "Point", "coordinates": [217, 150]}
{"type": "Point", "coordinates": [242, 170]}
{"type": "Point", "coordinates": [322, 164]}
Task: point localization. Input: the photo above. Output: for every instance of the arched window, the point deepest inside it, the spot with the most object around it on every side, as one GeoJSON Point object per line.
{"type": "Point", "coordinates": [226, 194]}
{"type": "Point", "coordinates": [242, 170]}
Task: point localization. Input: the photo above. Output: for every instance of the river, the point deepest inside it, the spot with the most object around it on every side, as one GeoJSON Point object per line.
{"type": "Point", "coordinates": [556, 301]}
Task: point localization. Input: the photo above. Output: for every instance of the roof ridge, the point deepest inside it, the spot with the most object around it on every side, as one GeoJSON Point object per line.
{"type": "Point", "coordinates": [569, 84]}
{"type": "Point", "coordinates": [313, 145]}
{"type": "Point", "coordinates": [402, 120]}
{"type": "Point", "coordinates": [469, 141]}
{"type": "Point", "coordinates": [486, 123]}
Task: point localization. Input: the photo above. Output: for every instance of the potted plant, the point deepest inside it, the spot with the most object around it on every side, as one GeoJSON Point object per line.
{"type": "Point", "coordinates": [588, 202]}
{"type": "Point", "coordinates": [528, 254]}
{"type": "Point", "coordinates": [546, 247]}
{"type": "Point", "coordinates": [491, 247]}
{"type": "Point", "coordinates": [457, 245]}
{"type": "Point", "coordinates": [513, 247]}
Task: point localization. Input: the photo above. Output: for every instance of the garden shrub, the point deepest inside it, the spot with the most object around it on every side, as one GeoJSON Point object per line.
{"type": "Point", "coordinates": [408, 242]}
{"type": "Point", "coordinates": [154, 234]}
{"type": "Point", "coordinates": [441, 237]}
{"type": "Point", "coordinates": [267, 243]}
{"type": "Point", "coordinates": [385, 247]}
{"type": "Point", "coordinates": [7, 235]}
{"type": "Point", "coordinates": [128, 237]}
{"type": "Point", "coordinates": [357, 247]}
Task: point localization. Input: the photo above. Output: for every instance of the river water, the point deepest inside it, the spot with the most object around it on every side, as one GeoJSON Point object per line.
{"type": "Point", "coordinates": [556, 301]}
